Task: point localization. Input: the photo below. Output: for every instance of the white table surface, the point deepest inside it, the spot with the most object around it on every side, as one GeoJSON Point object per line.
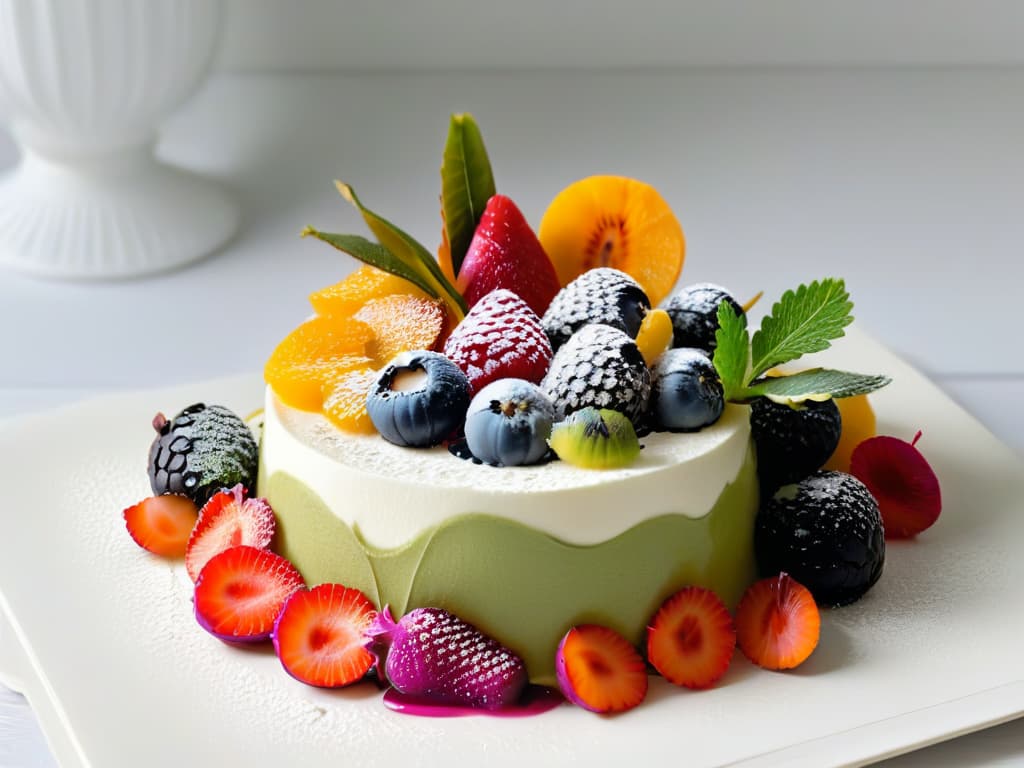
{"type": "Point", "coordinates": [906, 182]}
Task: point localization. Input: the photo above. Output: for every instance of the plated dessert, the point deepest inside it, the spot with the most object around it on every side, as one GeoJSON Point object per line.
{"type": "Point", "coordinates": [533, 460]}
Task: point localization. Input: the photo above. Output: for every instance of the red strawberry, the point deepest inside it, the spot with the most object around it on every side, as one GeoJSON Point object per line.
{"type": "Point", "coordinates": [598, 669]}
{"type": "Point", "coordinates": [500, 338]}
{"type": "Point", "coordinates": [319, 635]}
{"type": "Point", "coordinates": [162, 524]}
{"type": "Point", "coordinates": [227, 520]}
{"type": "Point", "coordinates": [505, 253]}
{"type": "Point", "coordinates": [241, 591]}
{"type": "Point", "coordinates": [691, 639]}
{"type": "Point", "coordinates": [777, 623]}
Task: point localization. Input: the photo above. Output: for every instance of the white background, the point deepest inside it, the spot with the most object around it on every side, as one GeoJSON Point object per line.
{"type": "Point", "coordinates": [879, 141]}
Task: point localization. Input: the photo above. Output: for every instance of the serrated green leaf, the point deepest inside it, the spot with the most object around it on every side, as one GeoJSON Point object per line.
{"type": "Point", "coordinates": [371, 253]}
{"type": "Point", "coordinates": [815, 384]}
{"type": "Point", "coordinates": [467, 183]}
{"type": "Point", "coordinates": [801, 322]}
{"type": "Point", "coordinates": [732, 350]}
{"type": "Point", "coordinates": [408, 251]}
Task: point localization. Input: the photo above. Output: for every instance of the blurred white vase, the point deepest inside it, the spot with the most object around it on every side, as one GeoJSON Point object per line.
{"type": "Point", "coordinates": [85, 84]}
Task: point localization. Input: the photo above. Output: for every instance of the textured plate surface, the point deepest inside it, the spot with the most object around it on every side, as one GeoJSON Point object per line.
{"type": "Point", "coordinates": [101, 639]}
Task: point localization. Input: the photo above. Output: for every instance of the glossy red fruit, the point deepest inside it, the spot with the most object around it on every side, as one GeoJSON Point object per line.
{"type": "Point", "coordinates": [777, 623]}
{"type": "Point", "coordinates": [241, 591]}
{"type": "Point", "coordinates": [691, 639]}
{"type": "Point", "coordinates": [162, 524]}
{"type": "Point", "coordinates": [227, 520]}
{"type": "Point", "coordinates": [505, 253]}
{"type": "Point", "coordinates": [598, 669]}
{"type": "Point", "coordinates": [902, 482]}
{"type": "Point", "coordinates": [500, 338]}
{"type": "Point", "coordinates": [319, 638]}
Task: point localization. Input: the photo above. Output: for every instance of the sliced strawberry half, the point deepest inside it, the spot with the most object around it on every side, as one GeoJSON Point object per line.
{"type": "Point", "coordinates": [319, 635]}
{"type": "Point", "coordinates": [691, 639]}
{"type": "Point", "coordinates": [228, 520]}
{"type": "Point", "coordinates": [598, 669]}
{"type": "Point", "coordinates": [241, 591]}
{"type": "Point", "coordinates": [777, 623]}
{"type": "Point", "coordinates": [499, 338]}
{"type": "Point", "coordinates": [505, 253]}
{"type": "Point", "coordinates": [162, 524]}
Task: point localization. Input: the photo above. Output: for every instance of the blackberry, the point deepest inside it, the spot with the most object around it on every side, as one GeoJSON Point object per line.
{"type": "Point", "coordinates": [602, 367]}
{"type": "Point", "coordinates": [827, 533]}
{"type": "Point", "coordinates": [792, 442]}
{"type": "Point", "coordinates": [603, 295]}
{"type": "Point", "coordinates": [694, 313]}
{"type": "Point", "coordinates": [200, 451]}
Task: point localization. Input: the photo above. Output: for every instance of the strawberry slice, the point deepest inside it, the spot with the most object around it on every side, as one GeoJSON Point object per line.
{"type": "Point", "coordinates": [598, 669]}
{"type": "Point", "coordinates": [241, 591]}
{"type": "Point", "coordinates": [162, 524]}
{"type": "Point", "coordinates": [319, 635]}
{"type": "Point", "coordinates": [691, 639]}
{"type": "Point", "coordinates": [227, 520]}
{"type": "Point", "coordinates": [499, 338]}
{"type": "Point", "coordinates": [777, 623]}
{"type": "Point", "coordinates": [505, 253]}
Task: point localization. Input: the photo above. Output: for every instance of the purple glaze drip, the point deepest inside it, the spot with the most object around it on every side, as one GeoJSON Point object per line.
{"type": "Point", "coordinates": [536, 699]}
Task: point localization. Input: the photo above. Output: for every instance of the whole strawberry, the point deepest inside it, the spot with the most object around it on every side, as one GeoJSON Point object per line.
{"type": "Point", "coordinates": [500, 338]}
{"type": "Point", "coordinates": [433, 654]}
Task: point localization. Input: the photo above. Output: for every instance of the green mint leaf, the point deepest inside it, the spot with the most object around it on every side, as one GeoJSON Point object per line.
{"type": "Point", "coordinates": [815, 384]}
{"type": "Point", "coordinates": [732, 350]}
{"type": "Point", "coordinates": [408, 251]}
{"type": "Point", "coordinates": [802, 322]}
{"type": "Point", "coordinates": [374, 254]}
{"type": "Point", "coordinates": [467, 183]}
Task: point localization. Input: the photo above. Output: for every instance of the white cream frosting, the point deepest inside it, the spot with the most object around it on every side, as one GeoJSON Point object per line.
{"type": "Point", "coordinates": [390, 494]}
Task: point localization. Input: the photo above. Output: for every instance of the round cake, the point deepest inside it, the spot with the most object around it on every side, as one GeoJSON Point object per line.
{"type": "Point", "coordinates": [524, 553]}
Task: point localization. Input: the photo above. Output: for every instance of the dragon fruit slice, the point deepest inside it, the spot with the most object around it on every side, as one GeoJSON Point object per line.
{"type": "Point", "coordinates": [436, 655]}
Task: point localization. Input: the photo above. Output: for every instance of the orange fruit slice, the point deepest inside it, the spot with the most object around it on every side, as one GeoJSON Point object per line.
{"type": "Point", "coordinates": [344, 299]}
{"type": "Point", "coordinates": [345, 400]}
{"type": "Point", "coordinates": [655, 335]}
{"type": "Point", "coordinates": [314, 353]}
{"type": "Point", "coordinates": [859, 423]}
{"type": "Point", "coordinates": [614, 221]}
{"type": "Point", "coordinates": [401, 323]}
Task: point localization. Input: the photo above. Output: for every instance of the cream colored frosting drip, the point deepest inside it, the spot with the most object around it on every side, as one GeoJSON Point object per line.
{"type": "Point", "coordinates": [389, 494]}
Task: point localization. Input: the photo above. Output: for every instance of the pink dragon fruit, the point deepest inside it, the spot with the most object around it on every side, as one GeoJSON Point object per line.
{"type": "Point", "coordinates": [436, 655]}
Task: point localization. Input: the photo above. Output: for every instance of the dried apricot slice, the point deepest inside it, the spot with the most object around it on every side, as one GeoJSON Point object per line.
{"type": "Point", "coordinates": [317, 351]}
{"type": "Point", "coordinates": [344, 299]}
{"type": "Point", "coordinates": [655, 335]}
{"type": "Point", "coordinates": [858, 424]}
{"type": "Point", "coordinates": [614, 221]}
{"type": "Point", "coordinates": [401, 323]}
{"type": "Point", "coordinates": [345, 400]}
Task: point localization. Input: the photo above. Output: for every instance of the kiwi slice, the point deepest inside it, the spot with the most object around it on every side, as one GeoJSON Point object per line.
{"type": "Point", "coordinates": [595, 439]}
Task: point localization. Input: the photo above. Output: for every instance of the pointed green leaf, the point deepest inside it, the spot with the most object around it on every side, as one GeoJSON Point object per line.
{"type": "Point", "coordinates": [374, 254]}
{"type": "Point", "coordinates": [815, 384]}
{"type": "Point", "coordinates": [802, 322]}
{"type": "Point", "coordinates": [407, 250]}
{"type": "Point", "coordinates": [467, 183]}
{"type": "Point", "coordinates": [732, 350]}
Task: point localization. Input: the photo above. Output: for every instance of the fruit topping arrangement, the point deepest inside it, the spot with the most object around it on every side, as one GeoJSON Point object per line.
{"type": "Point", "coordinates": [518, 348]}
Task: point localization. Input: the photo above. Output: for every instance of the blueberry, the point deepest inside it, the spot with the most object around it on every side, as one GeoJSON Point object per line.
{"type": "Point", "coordinates": [508, 423]}
{"type": "Point", "coordinates": [419, 399]}
{"type": "Point", "coordinates": [827, 533]}
{"type": "Point", "coordinates": [791, 441]}
{"type": "Point", "coordinates": [694, 313]}
{"type": "Point", "coordinates": [686, 393]}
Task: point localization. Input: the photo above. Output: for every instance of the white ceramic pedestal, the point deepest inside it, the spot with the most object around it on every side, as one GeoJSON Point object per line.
{"type": "Point", "coordinates": [86, 83]}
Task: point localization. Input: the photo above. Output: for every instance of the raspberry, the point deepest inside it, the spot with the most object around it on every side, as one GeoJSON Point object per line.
{"type": "Point", "coordinates": [500, 338]}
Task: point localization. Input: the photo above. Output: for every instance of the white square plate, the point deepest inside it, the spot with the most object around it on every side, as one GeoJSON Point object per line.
{"type": "Point", "coordinates": [100, 637]}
